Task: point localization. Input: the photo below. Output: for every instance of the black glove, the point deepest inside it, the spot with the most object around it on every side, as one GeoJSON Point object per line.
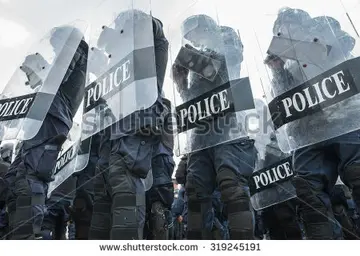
{"type": "Point", "coordinates": [181, 171]}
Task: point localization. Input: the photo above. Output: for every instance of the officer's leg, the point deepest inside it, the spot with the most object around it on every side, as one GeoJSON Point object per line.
{"type": "Point", "coordinates": [83, 203]}
{"type": "Point", "coordinates": [271, 224]}
{"type": "Point", "coordinates": [161, 196]}
{"type": "Point", "coordinates": [287, 220]}
{"type": "Point", "coordinates": [50, 219]}
{"type": "Point", "coordinates": [234, 163]}
{"type": "Point", "coordinates": [101, 218]}
{"type": "Point", "coordinates": [200, 184]}
{"type": "Point", "coordinates": [32, 177]}
{"type": "Point", "coordinates": [61, 224]}
{"type": "Point", "coordinates": [82, 217]}
{"type": "Point", "coordinates": [10, 196]}
{"type": "Point", "coordinates": [4, 217]}
{"type": "Point", "coordinates": [316, 173]}
{"type": "Point", "coordinates": [259, 229]}
{"type": "Point", "coordinates": [130, 161]}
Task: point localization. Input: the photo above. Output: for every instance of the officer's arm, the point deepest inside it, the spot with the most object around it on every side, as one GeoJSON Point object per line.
{"type": "Point", "coordinates": [161, 51]}
{"type": "Point", "coordinates": [78, 62]}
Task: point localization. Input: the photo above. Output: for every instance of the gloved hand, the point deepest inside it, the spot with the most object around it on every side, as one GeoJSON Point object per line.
{"type": "Point", "coordinates": [274, 62]}
{"type": "Point", "coordinates": [35, 67]}
{"type": "Point", "coordinates": [180, 77]}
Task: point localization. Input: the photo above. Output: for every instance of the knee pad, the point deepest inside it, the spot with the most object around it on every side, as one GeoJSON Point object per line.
{"type": "Point", "coordinates": [236, 198]}
{"type": "Point", "coordinates": [231, 186]}
{"type": "Point", "coordinates": [306, 193]}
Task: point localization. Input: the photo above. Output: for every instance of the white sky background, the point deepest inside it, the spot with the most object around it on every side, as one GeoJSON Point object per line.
{"type": "Point", "coordinates": [24, 21]}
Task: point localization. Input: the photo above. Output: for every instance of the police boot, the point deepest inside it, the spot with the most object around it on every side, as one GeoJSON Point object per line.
{"type": "Point", "coordinates": [159, 221]}
{"type": "Point", "coordinates": [313, 211]}
{"type": "Point", "coordinates": [237, 203]}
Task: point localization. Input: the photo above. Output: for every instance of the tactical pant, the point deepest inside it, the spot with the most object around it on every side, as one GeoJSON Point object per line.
{"type": "Point", "coordinates": [220, 225]}
{"type": "Point", "coordinates": [56, 218]}
{"type": "Point", "coordinates": [281, 221]}
{"type": "Point", "coordinates": [84, 199]}
{"type": "Point", "coordinates": [28, 178]}
{"type": "Point", "coordinates": [130, 160]}
{"type": "Point", "coordinates": [101, 217]}
{"type": "Point", "coordinates": [317, 168]}
{"type": "Point", "coordinates": [228, 166]}
{"type": "Point", "coordinates": [159, 199]}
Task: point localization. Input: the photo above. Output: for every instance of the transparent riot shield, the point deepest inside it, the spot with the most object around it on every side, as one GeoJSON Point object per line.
{"type": "Point", "coordinates": [270, 182]}
{"type": "Point", "coordinates": [67, 160]}
{"type": "Point", "coordinates": [148, 181]}
{"type": "Point", "coordinates": [307, 56]}
{"type": "Point", "coordinates": [83, 154]}
{"type": "Point", "coordinates": [121, 66]}
{"type": "Point", "coordinates": [29, 94]}
{"type": "Point", "coordinates": [65, 165]}
{"type": "Point", "coordinates": [212, 92]}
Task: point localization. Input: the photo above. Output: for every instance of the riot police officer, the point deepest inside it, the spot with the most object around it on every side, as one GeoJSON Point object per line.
{"type": "Point", "coordinates": [226, 164]}
{"type": "Point", "coordinates": [31, 171]}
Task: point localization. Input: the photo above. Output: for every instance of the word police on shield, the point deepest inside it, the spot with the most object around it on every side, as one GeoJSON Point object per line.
{"type": "Point", "coordinates": [215, 103]}
{"type": "Point", "coordinates": [15, 107]}
{"type": "Point", "coordinates": [322, 91]}
{"type": "Point", "coordinates": [271, 176]}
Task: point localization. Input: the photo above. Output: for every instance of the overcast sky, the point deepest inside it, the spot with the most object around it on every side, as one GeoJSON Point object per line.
{"type": "Point", "coordinates": [24, 21]}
